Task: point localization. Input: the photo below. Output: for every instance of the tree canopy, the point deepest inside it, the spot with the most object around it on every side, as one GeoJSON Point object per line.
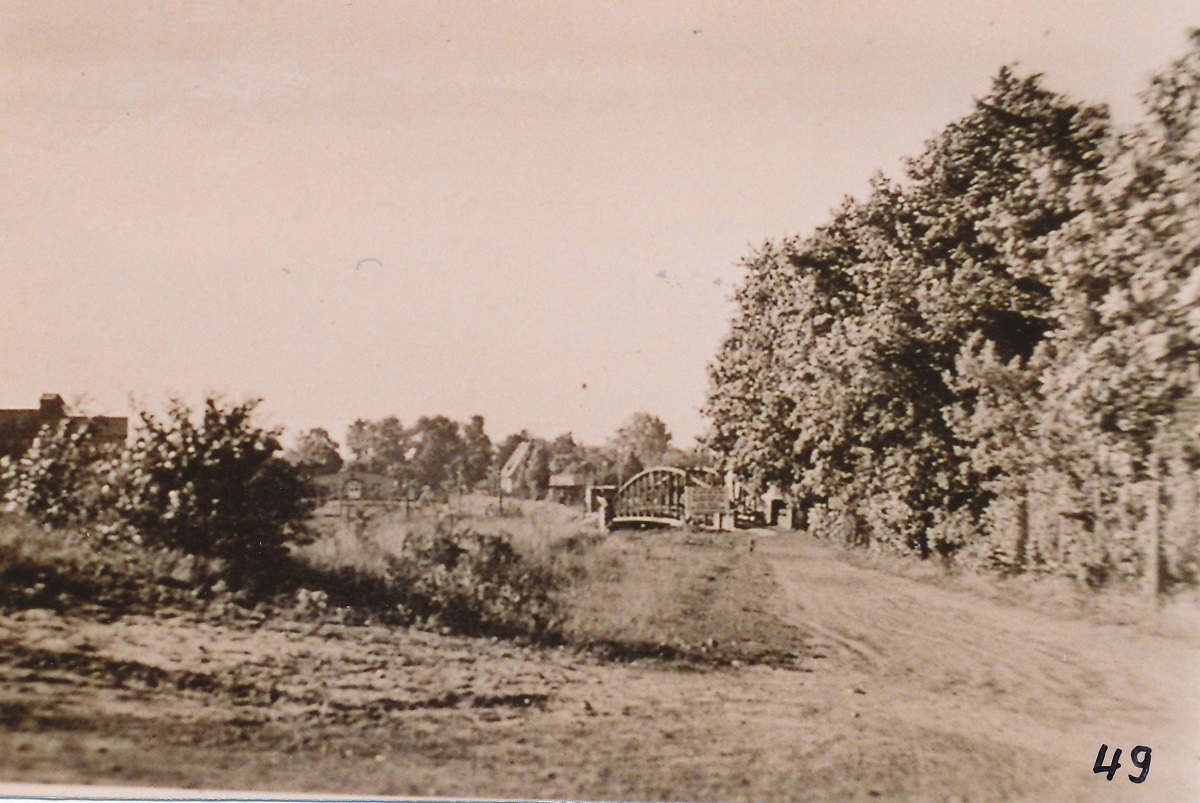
{"type": "Point", "coordinates": [315, 453]}
{"type": "Point", "coordinates": [1016, 315]}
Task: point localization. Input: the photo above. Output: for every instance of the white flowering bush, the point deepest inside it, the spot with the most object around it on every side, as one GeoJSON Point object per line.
{"type": "Point", "coordinates": [61, 478]}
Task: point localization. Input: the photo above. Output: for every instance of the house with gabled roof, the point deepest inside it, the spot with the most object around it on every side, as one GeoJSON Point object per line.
{"type": "Point", "coordinates": [510, 472]}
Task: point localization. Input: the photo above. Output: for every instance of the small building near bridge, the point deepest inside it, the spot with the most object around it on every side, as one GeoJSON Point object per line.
{"type": "Point", "coordinates": [567, 488]}
{"type": "Point", "coordinates": [510, 472]}
{"type": "Point", "coordinates": [358, 486]}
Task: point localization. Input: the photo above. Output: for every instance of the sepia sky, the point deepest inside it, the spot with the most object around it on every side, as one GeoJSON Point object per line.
{"type": "Point", "coordinates": [531, 211]}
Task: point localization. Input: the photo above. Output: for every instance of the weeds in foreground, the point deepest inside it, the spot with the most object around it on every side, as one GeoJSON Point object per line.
{"type": "Point", "coordinates": [619, 597]}
{"type": "Point", "coordinates": [68, 568]}
{"type": "Point", "coordinates": [443, 576]}
{"type": "Point", "coordinates": [446, 577]}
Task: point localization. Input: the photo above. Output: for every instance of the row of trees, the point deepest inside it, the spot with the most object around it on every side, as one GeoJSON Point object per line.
{"type": "Point", "coordinates": [439, 453]}
{"type": "Point", "coordinates": [435, 452]}
{"type": "Point", "coordinates": [996, 356]}
{"type": "Point", "coordinates": [642, 441]}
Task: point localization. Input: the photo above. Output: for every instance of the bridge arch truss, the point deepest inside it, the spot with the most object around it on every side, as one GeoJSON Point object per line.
{"type": "Point", "coordinates": [657, 496]}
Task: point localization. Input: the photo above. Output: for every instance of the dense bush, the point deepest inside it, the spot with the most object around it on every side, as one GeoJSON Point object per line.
{"type": "Point", "coordinates": [476, 582]}
{"type": "Point", "coordinates": [215, 487]}
{"type": "Point", "coordinates": [206, 501]}
{"type": "Point", "coordinates": [442, 575]}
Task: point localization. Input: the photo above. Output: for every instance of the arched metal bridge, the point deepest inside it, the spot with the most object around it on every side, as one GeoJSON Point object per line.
{"type": "Point", "coordinates": [662, 496]}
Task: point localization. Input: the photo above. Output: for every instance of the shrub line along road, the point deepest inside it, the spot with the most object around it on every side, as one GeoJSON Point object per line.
{"type": "Point", "coordinates": [903, 690]}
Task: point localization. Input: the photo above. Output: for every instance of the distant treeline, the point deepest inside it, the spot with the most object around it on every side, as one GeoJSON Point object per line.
{"type": "Point", "coordinates": [996, 357]}
{"type": "Point", "coordinates": [439, 454]}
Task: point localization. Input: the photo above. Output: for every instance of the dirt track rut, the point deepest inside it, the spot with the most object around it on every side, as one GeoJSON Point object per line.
{"type": "Point", "coordinates": [967, 667]}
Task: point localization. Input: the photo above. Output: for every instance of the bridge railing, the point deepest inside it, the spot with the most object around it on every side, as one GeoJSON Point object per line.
{"type": "Point", "coordinates": [660, 495]}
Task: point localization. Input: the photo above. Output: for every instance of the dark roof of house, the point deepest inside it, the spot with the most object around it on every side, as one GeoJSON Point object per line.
{"type": "Point", "coordinates": [342, 477]}
{"type": "Point", "coordinates": [18, 427]}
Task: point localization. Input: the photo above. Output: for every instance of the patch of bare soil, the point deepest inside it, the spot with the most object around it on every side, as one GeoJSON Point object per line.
{"type": "Point", "coordinates": [894, 689]}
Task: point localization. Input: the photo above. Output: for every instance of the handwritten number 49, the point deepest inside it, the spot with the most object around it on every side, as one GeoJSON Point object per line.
{"type": "Point", "coordinates": [1140, 756]}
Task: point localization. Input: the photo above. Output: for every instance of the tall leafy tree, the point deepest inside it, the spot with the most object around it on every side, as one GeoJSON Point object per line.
{"type": "Point", "coordinates": [439, 457]}
{"type": "Point", "coordinates": [1128, 281]}
{"type": "Point", "coordinates": [315, 453]}
{"type": "Point", "coordinates": [838, 380]}
{"type": "Point", "coordinates": [379, 446]}
{"type": "Point", "coordinates": [477, 451]}
{"type": "Point", "coordinates": [644, 435]}
{"type": "Point", "coordinates": [747, 402]}
{"type": "Point", "coordinates": [535, 478]}
{"type": "Point", "coordinates": [627, 466]}
{"type": "Point", "coordinates": [566, 455]}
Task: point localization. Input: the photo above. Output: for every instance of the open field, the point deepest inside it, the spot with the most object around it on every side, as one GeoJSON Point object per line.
{"type": "Point", "coordinates": [794, 674]}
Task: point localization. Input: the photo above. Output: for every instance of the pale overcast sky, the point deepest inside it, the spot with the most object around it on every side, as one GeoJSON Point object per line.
{"type": "Point", "coordinates": [530, 211]}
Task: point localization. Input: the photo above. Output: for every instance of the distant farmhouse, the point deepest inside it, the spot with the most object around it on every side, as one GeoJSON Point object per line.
{"type": "Point", "coordinates": [19, 427]}
{"type": "Point", "coordinates": [510, 474]}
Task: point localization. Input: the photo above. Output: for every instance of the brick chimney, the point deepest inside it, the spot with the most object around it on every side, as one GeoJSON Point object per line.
{"type": "Point", "coordinates": [51, 405]}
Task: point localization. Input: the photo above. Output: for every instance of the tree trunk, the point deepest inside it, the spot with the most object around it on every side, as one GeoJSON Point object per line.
{"type": "Point", "coordinates": [1153, 547]}
{"type": "Point", "coordinates": [1021, 548]}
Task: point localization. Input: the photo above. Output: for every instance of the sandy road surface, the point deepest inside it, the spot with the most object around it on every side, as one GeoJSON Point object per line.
{"type": "Point", "coordinates": [902, 690]}
{"type": "Point", "coordinates": [965, 670]}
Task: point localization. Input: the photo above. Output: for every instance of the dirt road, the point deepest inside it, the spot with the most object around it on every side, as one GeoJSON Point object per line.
{"type": "Point", "coordinates": [1008, 691]}
{"type": "Point", "coordinates": [901, 690]}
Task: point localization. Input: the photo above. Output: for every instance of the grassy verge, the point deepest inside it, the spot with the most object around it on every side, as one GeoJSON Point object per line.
{"type": "Point", "coordinates": [62, 569]}
{"type": "Point", "coordinates": [667, 595]}
{"type": "Point", "coordinates": [539, 573]}
{"type": "Point", "coordinates": [695, 597]}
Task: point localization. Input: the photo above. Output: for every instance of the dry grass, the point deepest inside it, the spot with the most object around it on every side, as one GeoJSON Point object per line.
{"type": "Point", "coordinates": [682, 595]}
{"type": "Point", "coordinates": [296, 707]}
{"type": "Point", "coordinates": [538, 571]}
{"type": "Point", "coordinates": [657, 594]}
{"type": "Point", "coordinates": [528, 523]}
{"type": "Point", "coordinates": [66, 568]}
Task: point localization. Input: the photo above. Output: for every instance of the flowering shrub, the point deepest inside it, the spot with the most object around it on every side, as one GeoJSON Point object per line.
{"type": "Point", "coordinates": [60, 479]}
{"type": "Point", "coordinates": [215, 488]}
